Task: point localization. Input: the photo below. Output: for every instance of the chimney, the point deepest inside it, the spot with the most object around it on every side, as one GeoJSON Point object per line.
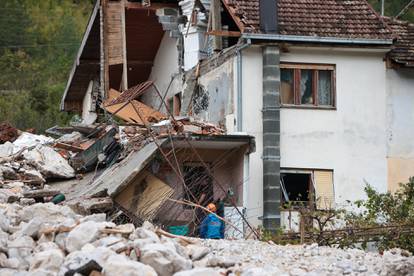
{"type": "Point", "coordinates": [268, 16]}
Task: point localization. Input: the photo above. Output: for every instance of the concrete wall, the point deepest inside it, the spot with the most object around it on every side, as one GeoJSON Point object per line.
{"type": "Point", "coordinates": [400, 126]}
{"type": "Point", "coordinates": [350, 140]}
{"type": "Point", "coordinates": [218, 89]}
{"type": "Point", "coordinates": [164, 69]}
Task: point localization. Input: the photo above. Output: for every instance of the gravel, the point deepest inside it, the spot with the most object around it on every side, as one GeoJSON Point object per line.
{"type": "Point", "coordinates": [47, 239]}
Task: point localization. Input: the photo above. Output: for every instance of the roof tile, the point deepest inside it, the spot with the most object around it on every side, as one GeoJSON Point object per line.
{"type": "Point", "coordinates": [323, 18]}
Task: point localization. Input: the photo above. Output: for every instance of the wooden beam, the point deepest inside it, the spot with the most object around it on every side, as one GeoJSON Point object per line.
{"type": "Point", "coordinates": [124, 49]}
{"type": "Point", "coordinates": [216, 24]}
{"type": "Point", "coordinates": [225, 33]}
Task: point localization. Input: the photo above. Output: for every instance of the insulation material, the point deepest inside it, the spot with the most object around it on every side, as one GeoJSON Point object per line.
{"type": "Point", "coordinates": [325, 198]}
{"type": "Point", "coordinates": [154, 195]}
{"type": "Point", "coordinates": [128, 113]}
{"type": "Point", "coordinates": [145, 195]}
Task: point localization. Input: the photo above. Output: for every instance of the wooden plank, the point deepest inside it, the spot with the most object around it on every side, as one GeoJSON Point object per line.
{"type": "Point", "coordinates": [124, 49]}
{"type": "Point", "coordinates": [216, 24]}
{"type": "Point", "coordinates": [128, 113]}
{"type": "Point", "coordinates": [224, 33]}
{"type": "Point", "coordinates": [68, 147]}
{"type": "Point", "coordinates": [307, 66]}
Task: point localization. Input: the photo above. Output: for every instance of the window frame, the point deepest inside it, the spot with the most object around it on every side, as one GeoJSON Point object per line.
{"type": "Point", "coordinates": [313, 187]}
{"type": "Point", "coordinates": [297, 67]}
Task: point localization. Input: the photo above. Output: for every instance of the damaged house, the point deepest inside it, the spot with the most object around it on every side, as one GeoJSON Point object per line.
{"type": "Point", "coordinates": [323, 87]}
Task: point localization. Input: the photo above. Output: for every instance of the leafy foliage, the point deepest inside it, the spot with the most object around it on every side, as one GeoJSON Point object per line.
{"type": "Point", "coordinates": [393, 8]}
{"type": "Point", "coordinates": [38, 42]}
{"type": "Point", "coordinates": [387, 209]}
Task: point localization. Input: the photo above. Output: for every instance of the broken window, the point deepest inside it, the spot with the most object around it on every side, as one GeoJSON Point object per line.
{"type": "Point", "coordinates": [296, 188]}
{"type": "Point", "coordinates": [307, 85]}
{"type": "Point", "coordinates": [199, 185]}
{"type": "Point", "coordinates": [308, 187]}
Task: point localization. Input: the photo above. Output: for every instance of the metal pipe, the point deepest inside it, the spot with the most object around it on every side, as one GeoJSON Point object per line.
{"type": "Point", "coordinates": [382, 7]}
{"type": "Point", "coordinates": [310, 39]}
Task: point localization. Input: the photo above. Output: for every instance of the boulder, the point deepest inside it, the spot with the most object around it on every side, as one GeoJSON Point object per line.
{"type": "Point", "coordinates": [33, 176]}
{"type": "Point", "coordinates": [12, 263]}
{"type": "Point", "coordinates": [8, 173]}
{"type": "Point", "coordinates": [21, 248]}
{"type": "Point", "coordinates": [47, 212]}
{"type": "Point", "coordinates": [50, 260]}
{"type": "Point", "coordinates": [118, 264]}
{"type": "Point", "coordinates": [4, 223]}
{"type": "Point", "coordinates": [8, 196]}
{"type": "Point", "coordinates": [50, 163]}
{"type": "Point", "coordinates": [6, 149]}
{"type": "Point", "coordinates": [27, 140]}
{"type": "Point", "coordinates": [164, 260]}
{"type": "Point", "coordinates": [32, 228]}
{"type": "Point", "coordinates": [142, 233]}
{"type": "Point", "coordinates": [197, 252]}
{"type": "Point", "coordinates": [82, 234]}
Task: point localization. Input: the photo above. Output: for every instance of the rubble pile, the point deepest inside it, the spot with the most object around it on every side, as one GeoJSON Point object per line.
{"type": "Point", "coordinates": [48, 239]}
{"type": "Point", "coordinates": [30, 159]}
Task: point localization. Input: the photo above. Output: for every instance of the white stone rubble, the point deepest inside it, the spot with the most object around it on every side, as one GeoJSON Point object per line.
{"type": "Point", "coordinates": [48, 239]}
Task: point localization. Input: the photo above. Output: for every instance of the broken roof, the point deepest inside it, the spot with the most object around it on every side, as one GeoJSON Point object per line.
{"type": "Point", "coordinates": [403, 48]}
{"type": "Point", "coordinates": [319, 18]}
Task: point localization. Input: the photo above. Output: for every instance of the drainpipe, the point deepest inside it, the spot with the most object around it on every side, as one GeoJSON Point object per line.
{"type": "Point", "coordinates": [271, 138]}
{"type": "Point", "coordinates": [240, 85]}
{"type": "Point", "coordinates": [271, 118]}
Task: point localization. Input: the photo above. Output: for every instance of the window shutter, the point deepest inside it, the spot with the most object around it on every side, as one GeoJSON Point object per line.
{"type": "Point", "coordinates": [324, 190]}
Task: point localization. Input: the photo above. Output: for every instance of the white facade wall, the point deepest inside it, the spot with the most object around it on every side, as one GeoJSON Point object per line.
{"type": "Point", "coordinates": [164, 69]}
{"type": "Point", "coordinates": [400, 126]}
{"type": "Point", "coordinates": [350, 140]}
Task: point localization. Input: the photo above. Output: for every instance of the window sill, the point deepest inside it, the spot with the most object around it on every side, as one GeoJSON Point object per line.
{"type": "Point", "coordinates": [308, 107]}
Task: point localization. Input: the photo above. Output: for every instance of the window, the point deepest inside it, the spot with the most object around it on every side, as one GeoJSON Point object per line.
{"type": "Point", "coordinates": [199, 184]}
{"type": "Point", "coordinates": [307, 85]}
{"type": "Point", "coordinates": [305, 187]}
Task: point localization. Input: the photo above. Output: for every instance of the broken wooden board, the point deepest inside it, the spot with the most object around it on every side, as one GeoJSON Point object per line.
{"type": "Point", "coordinates": [128, 113]}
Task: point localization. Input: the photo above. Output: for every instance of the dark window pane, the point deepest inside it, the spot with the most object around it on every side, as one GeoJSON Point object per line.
{"type": "Point", "coordinates": [306, 96]}
{"type": "Point", "coordinates": [325, 87]}
{"type": "Point", "coordinates": [286, 93]}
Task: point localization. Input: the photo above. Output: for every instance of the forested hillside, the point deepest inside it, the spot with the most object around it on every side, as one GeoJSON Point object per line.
{"type": "Point", "coordinates": [38, 41]}
{"type": "Point", "coordinates": [393, 8]}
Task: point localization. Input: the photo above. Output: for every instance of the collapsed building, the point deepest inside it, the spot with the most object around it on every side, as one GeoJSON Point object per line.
{"type": "Point", "coordinates": [323, 87]}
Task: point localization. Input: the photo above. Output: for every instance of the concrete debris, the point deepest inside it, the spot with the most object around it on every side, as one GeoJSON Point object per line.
{"type": "Point", "coordinates": [7, 149]}
{"type": "Point", "coordinates": [49, 163]}
{"type": "Point", "coordinates": [28, 140]}
{"type": "Point", "coordinates": [48, 239]}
